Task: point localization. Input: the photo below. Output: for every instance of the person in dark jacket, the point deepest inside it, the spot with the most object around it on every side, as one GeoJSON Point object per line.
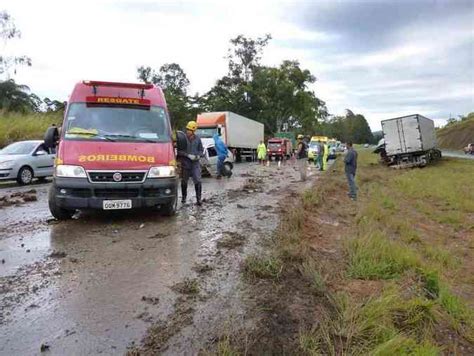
{"type": "Point", "coordinates": [190, 164]}
{"type": "Point", "coordinates": [350, 161]}
{"type": "Point", "coordinates": [302, 156]}
{"type": "Point", "coordinates": [222, 153]}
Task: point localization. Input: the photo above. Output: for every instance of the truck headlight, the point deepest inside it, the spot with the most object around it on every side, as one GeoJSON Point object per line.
{"type": "Point", "coordinates": [6, 164]}
{"type": "Point", "coordinates": [162, 172]}
{"type": "Point", "coordinates": [64, 170]}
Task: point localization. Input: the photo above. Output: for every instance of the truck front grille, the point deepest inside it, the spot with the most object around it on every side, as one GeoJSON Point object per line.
{"type": "Point", "coordinates": [108, 177]}
{"type": "Point", "coordinates": [116, 193]}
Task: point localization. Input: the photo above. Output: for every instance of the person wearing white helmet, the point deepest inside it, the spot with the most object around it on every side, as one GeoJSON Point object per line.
{"type": "Point", "coordinates": [190, 165]}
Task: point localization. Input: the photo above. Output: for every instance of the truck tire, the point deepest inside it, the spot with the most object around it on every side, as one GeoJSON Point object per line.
{"type": "Point", "coordinates": [58, 212]}
{"type": "Point", "coordinates": [169, 209]}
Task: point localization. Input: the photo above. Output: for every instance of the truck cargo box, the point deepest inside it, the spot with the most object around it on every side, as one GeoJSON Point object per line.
{"type": "Point", "coordinates": [408, 134]}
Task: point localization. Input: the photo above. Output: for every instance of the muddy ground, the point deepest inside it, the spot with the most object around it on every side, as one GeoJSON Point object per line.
{"type": "Point", "coordinates": [110, 283]}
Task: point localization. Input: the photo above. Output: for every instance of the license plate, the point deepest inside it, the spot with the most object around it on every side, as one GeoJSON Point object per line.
{"type": "Point", "coordinates": [116, 204]}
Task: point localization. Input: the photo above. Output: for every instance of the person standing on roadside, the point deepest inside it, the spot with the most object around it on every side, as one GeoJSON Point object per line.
{"type": "Point", "coordinates": [325, 155]}
{"type": "Point", "coordinates": [261, 152]}
{"type": "Point", "coordinates": [301, 156]}
{"type": "Point", "coordinates": [190, 164]}
{"type": "Point", "coordinates": [320, 155]}
{"type": "Point", "coordinates": [222, 153]}
{"type": "Point", "coordinates": [350, 162]}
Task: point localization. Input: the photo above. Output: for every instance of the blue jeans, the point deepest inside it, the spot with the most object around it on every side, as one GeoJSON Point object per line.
{"type": "Point", "coordinates": [220, 165]}
{"type": "Point", "coordinates": [352, 185]}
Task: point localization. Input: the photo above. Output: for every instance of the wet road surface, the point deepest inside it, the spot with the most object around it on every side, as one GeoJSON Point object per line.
{"type": "Point", "coordinates": [457, 154]}
{"type": "Point", "coordinates": [94, 285]}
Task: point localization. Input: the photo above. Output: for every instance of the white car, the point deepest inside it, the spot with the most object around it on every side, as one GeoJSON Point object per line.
{"type": "Point", "coordinates": [24, 160]}
{"type": "Point", "coordinates": [209, 161]}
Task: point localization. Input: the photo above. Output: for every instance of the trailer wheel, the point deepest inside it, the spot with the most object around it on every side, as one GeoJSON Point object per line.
{"type": "Point", "coordinates": [58, 212]}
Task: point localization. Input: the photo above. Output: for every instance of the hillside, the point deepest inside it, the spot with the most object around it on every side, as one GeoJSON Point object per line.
{"type": "Point", "coordinates": [16, 127]}
{"type": "Point", "coordinates": [457, 135]}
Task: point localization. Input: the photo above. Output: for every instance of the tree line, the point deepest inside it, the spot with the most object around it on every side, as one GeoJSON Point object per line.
{"type": "Point", "coordinates": [278, 96]}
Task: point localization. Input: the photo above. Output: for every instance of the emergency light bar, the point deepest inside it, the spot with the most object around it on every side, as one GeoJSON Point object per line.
{"type": "Point", "coordinates": [95, 83]}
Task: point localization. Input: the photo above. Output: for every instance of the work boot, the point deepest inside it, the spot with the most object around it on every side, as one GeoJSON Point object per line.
{"type": "Point", "coordinates": [198, 188]}
{"type": "Point", "coordinates": [184, 192]}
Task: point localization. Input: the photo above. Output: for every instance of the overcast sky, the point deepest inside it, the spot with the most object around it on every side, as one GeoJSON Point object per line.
{"type": "Point", "coordinates": [378, 58]}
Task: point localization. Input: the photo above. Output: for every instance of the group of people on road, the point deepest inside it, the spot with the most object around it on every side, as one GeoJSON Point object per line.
{"type": "Point", "coordinates": [191, 152]}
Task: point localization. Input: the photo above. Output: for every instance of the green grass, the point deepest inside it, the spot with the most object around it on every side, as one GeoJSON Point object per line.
{"type": "Point", "coordinates": [387, 325]}
{"type": "Point", "coordinates": [256, 266]}
{"type": "Point", "coordinates": [373, 256]}
{"type": "Point", "coordinates": [16, 127]}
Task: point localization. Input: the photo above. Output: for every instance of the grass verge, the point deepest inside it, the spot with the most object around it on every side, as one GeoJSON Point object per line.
{"type": "Point", "coordinates": [389, 274]}
{"type": "Point", "coordinates": [16, 127]}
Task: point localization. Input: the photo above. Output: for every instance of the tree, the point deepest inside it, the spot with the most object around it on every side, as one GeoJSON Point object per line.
{"type": "Point", "coordinates": [281, 97]}
{"type": "Point", "coordinates": [15, 97]}
{"type": "Point", "coordinates": [53, 105]}
{"type": "Point", "coordinates": [174, 82]}
{"type": "Point", "coordinates": [9, 31]}
{"type": "Point", "coordinates": [277, 96]}
{"type": "Point", "coordinates": [245, 56]}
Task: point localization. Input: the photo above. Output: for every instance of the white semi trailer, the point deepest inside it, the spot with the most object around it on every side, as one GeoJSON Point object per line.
{"type": "Point", "coordinates": [410, 141]}
{"type": "Point", "coordinates": [241, 134]}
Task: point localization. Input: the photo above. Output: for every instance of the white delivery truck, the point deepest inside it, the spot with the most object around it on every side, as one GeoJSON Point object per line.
{"type": "Point", "coordinates": [241, 135]}
{"type": "Point", "coordinates": [410, 141]}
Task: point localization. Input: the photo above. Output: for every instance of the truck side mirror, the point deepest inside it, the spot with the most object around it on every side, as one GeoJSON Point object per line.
{"type": "Point", "coordinates": [219, 130]}
{"type": "Point", "coordinates": [51, 137]}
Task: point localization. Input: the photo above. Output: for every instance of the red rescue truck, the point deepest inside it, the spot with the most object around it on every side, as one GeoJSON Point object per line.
{"type": "Point", "coordinates": [279, 148]}
{"type": "Point", "coordinates": [115, 150]}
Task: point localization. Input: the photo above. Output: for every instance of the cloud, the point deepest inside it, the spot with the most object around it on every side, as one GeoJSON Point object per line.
{"type": "Point", "coordinates": [377, 58]}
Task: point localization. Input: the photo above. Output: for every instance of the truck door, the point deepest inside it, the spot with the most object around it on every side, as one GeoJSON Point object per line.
{"type": "Point", "coordinates": [411, 133]}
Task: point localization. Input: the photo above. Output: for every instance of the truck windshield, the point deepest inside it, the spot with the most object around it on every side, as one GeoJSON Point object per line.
{"type": "Point", "coordinates": [206, 132]}
{"type": "Point", "coordinates": [274, 145]}
{"type": "Point", "coordinates": [117, 123]}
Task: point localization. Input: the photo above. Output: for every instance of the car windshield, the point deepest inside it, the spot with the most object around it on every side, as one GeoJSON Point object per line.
{"type": "Point", "coordinates": [313, 145]}
{"type": "Point", "coordinates": [19, 148]}
{"type": "Point", "coordinates": [117, 123]}
{"type": "Point", "coordinates": [207, 132]}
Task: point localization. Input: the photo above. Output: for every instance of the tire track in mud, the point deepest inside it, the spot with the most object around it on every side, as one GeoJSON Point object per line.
{"type": "Point", "coordinates": [249, 213]}
{"type": "Point", "coordinates": [123, 269]}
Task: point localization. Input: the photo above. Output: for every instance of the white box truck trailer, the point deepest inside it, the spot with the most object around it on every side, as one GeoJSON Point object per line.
{"type": "Point", "coordinates": [410, 140]}
{"type": "Point", "coordinates": [242, 135]}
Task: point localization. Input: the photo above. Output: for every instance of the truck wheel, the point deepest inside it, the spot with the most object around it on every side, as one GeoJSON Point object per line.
{"type": "Point", "coordinates": [58, 212]}
{"type": "Point", "coordinates": [25, 175]}
{"type": "Point", "coordinates": [170, 208]}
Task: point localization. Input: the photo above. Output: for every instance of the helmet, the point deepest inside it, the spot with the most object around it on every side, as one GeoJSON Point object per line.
{"type": "Point", "coordinates": [300, 137]}
{"type": "Point", "coordinates": [192, 126]}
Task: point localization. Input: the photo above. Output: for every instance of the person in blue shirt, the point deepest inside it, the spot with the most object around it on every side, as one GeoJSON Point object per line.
{"type": "Point", "coordinates": [222, 152]}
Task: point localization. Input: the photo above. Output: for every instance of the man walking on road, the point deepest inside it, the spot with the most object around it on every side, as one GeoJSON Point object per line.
{"type": "Point", "coordinates": [302, 157]}
{"type": "Point", "coordinates": [190, 165]}
{"type": "Point", "coordinates": [350, 161]}
{"type": "Point", "coordinates": [261, 152]}
{"type": "Point", "coordinates": [222, 152]}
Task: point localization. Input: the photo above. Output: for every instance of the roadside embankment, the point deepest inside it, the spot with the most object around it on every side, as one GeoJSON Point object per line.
{"type": "Point", "coordinates": [456, 136]}
{"type": "Point", "coordinates": [389, 274]}
{"type": "Point", "coordinates": [16, 127]}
